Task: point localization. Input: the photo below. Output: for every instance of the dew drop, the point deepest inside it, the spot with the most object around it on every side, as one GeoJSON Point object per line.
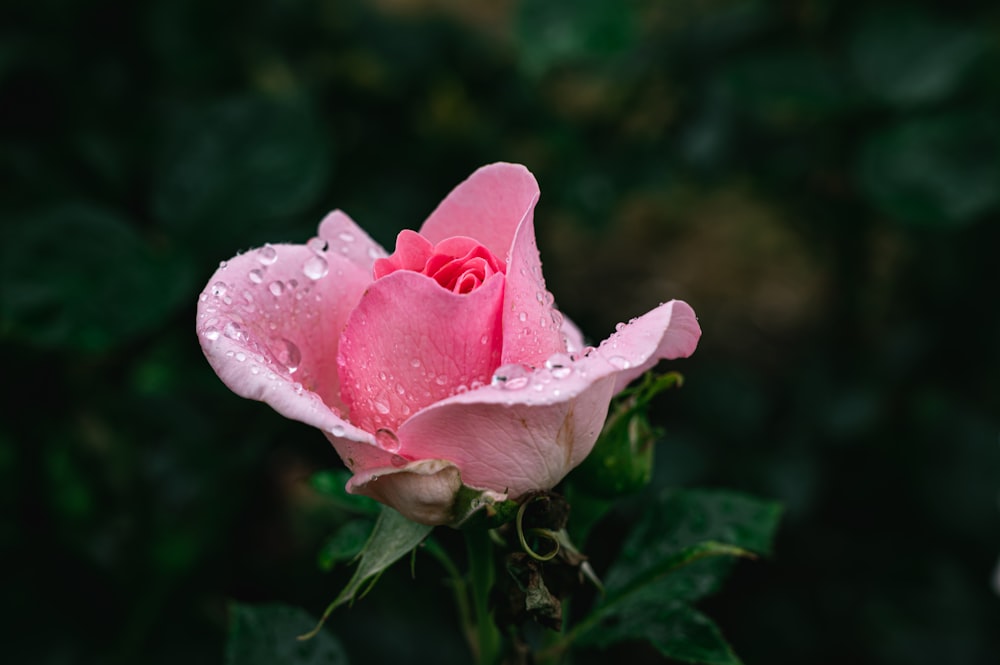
{"type": "Point", "coordinates": [276, 287]}
{"type": "Point", "coordinates": [210, 333]}
{"type": "Point", "coordinates": [235, 331]}
{"type": "Point", "coordinates": [400, 389]}
{"type": "Point", "coordinates": [619, 327]}
{"type": "Point", "coordinates": [256, 275]}
{"type": "Point", "coordinates": [287, 353]}
{"type": "Point", "coordinates": [315, 267]}
{"type": "Point", "coordinates": [381, 407]}
{"type": "Point", "coordinates": [441, 379]}
{"type": "Point", "coordinates": [219, 289]}
{"type": "Point", "coordinates": [241, 357]}
{"type": "Point", "coordinates": [373, 253]}
{"type": "Point", "coordinates": [387, 439]}
{"type": "Point", "coordinates": [318, 245]}
{"type": "Point", "coordinates": [511, 377]}
{"type": "Point", "coordinates": [619, 362]}
{"type": "Point", "coordinates": [267, 255]}
{"type": "Point", "coordinates": [522, 317]}
{"type": "Point", "coordinates": [415, 363]}
{"type": "Point", "coordinates": [540, 297]}
{"type": "Point", "coordinates": [558, 360]}
{"type": "Point", "coordinates": [398, 461]}
{"type": "Point", "coordinates": [484, 339]}
{"type": "Point", "coordinates": [337, 430]}
{"type": "Point", "coordinates": [255, 370]}
{"type": "Point", "coordinates": [345, 236]}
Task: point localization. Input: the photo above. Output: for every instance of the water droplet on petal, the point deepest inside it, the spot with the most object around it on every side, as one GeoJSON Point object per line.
{"type": "Point", "coordinates": [484, 339]}
{"type": "Point", "coordinates": [381, 407]}
{"type": "Point", "coordinates": [511, 377]}
{"type": "Point", "coordinates": [374, 253]}
{"type": "Point", "coordinates": [235, 331]}
{"type": "Point", "coordinates": [287, 353]}
{"type": "Point", "coordinates": [560, 364]}
{"type": "Point", "coordinates": [522, 317]}
{"type": "Point", "coordinates": [210, 333]}
{"type": "Point", "coordinates": [619, 362]}
{"type": "Point", "coordinates": [387, 439]}
{"type": "Point", "coordinates": [256, 275]}
{"type": "Point", "coordinates": [318, 245]}
{"type": "Point", "coordinates": [240, 357]}
{"type": "Point", "coordinates": [345, 236]}
{"type": "Point", "coordinates": [619, 327]}
{"type": "Point", "coordinates": [441, 379]}
{"type": "Point", "coordinates": [219, 289]}
{"type": "Point", "coordinates": [276, 287]}
{"type": "Point", "coordinates": [415, 363]}
{"type": "Point", "coordinates": [337, 430]}
{"type": "Point", "coordinates": [315, 267]}
{"type": "Point", "coordinates": [398, 461]}
{"type": "Point", "coordinates": [267, 255]}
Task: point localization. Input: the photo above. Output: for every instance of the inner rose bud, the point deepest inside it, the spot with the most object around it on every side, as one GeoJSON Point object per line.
{"type": "Point", "coordinates": [458, 264]}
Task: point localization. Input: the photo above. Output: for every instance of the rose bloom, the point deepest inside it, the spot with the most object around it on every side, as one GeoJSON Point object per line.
{"type": "Point", "coordinates": [444, 364]}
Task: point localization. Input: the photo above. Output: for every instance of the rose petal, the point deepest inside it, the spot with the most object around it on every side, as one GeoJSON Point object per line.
{"type": "Point", "coordinates": [488, 206]}
{"type": "Point", "coordinates": [422, 491]}
{"type": "Point", "coordinates": [516, 440]}
{"type": "Point", "coordinates": [268, 328]}
{"type": "Point", "coordinates": [410, 342]}
{"type": "Point", "coordinates": [531, 325]}
{"type": "Point", "coordinates": [348, 240]}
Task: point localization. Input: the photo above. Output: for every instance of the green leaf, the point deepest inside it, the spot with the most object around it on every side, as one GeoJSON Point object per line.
{"type": "Point", "coordinates": [80, 277]}
{"type": "Point", "coordinates": [676, 630]}
{"type": "Point", "coordinates": [391, 538]}
{"type": "Point", "coordinates": [265, 635]}
{"type": "Point", "coordinates": [345, 544]}
{"type": "Point", "coordinates": [238, 161]}
{"type": "Point", "coordinates": [622, 459]}
{"type": "Point", "coordinates": [937, 172]}
{"type": "Point", "coordinates": [680, 551]}
{"type": "Point", "coordinates": [905, 56]}
{"type": "Point", "coordinates": [679, 520]}
{"type": "Point", "coordinates": [332, 484]}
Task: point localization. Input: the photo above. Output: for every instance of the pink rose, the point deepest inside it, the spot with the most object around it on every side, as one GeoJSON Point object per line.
{"type": "Point", "coordinates": [443, 364]}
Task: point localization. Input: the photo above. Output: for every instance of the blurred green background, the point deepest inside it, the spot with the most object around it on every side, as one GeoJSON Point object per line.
{"type": "Point", "coordinates": [819, 179]}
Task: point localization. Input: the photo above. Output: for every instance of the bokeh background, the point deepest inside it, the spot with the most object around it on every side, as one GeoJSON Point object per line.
{"type": "Point", "coordinates": [820, 179]}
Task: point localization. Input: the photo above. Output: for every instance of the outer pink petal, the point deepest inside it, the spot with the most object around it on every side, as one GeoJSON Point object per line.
{"type": "Point", "coordinates": [410, 343]}
{"type": "Point", "coordinates": [488, 206]}
{"type": "Point", "coordinates": [528, 438]}
{"type": "Point", "coordinates": [531, 324]}
{"type": "Point", "coordinates": [422, 491]}
{"type": "Point", "coordinates": [270, 331]}
{"type": "Point", "coordinates": [349, 241]}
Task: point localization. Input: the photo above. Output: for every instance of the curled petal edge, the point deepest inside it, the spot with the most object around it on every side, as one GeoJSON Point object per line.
{"type": "Point", "coordinates": [428, 491]}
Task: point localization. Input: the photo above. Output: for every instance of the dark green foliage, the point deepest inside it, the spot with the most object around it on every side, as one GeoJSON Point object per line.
{"type": "Point", "coordinates": [818, 179]}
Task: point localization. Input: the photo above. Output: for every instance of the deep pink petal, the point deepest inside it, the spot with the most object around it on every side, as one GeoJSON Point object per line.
{"type": "Point", "coordinates": [488, 206]}
{"type": "Point", "coordinates": [531, 324]}
{"type": "Point", "coordinates": [410, 342]}
{"type": "Point", "coordinates": [412, 253]}
{"type": "Point", "coordinates": [527, 432]}
{"type": "Point", "coordinates": [269, 321]}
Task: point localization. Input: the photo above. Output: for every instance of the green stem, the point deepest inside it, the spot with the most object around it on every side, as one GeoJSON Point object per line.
{"type": "Point", "coordinates": [459, 588]}
{"type": "Point", "coordinates": [481, 577]}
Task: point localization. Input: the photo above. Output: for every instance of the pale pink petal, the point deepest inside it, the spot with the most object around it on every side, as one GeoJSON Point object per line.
{"type": "Point", "coordinates": [269, 321]}
{"type": "Point", "coordinates": [527, 432]}
{"type": "Point", "coordinates": [572, 336]}
{"type": "Point", "coordinates": [423, 491]}
{"type": "Point", "coordinates": [488, 206]}
{"type": "Point", "coordinates": [532, 326]}
{"type": "Point", "coordinates": [410, 343]}
{"type": "Point", "coordinates": [349, 241]}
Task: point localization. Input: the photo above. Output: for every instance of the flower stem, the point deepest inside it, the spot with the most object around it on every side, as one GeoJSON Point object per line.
{"type": "Point", "coordinates": [481, 578]}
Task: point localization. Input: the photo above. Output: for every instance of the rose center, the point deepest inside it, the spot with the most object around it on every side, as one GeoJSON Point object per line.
{"type": "Point", "coordinates": [459, 264]}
